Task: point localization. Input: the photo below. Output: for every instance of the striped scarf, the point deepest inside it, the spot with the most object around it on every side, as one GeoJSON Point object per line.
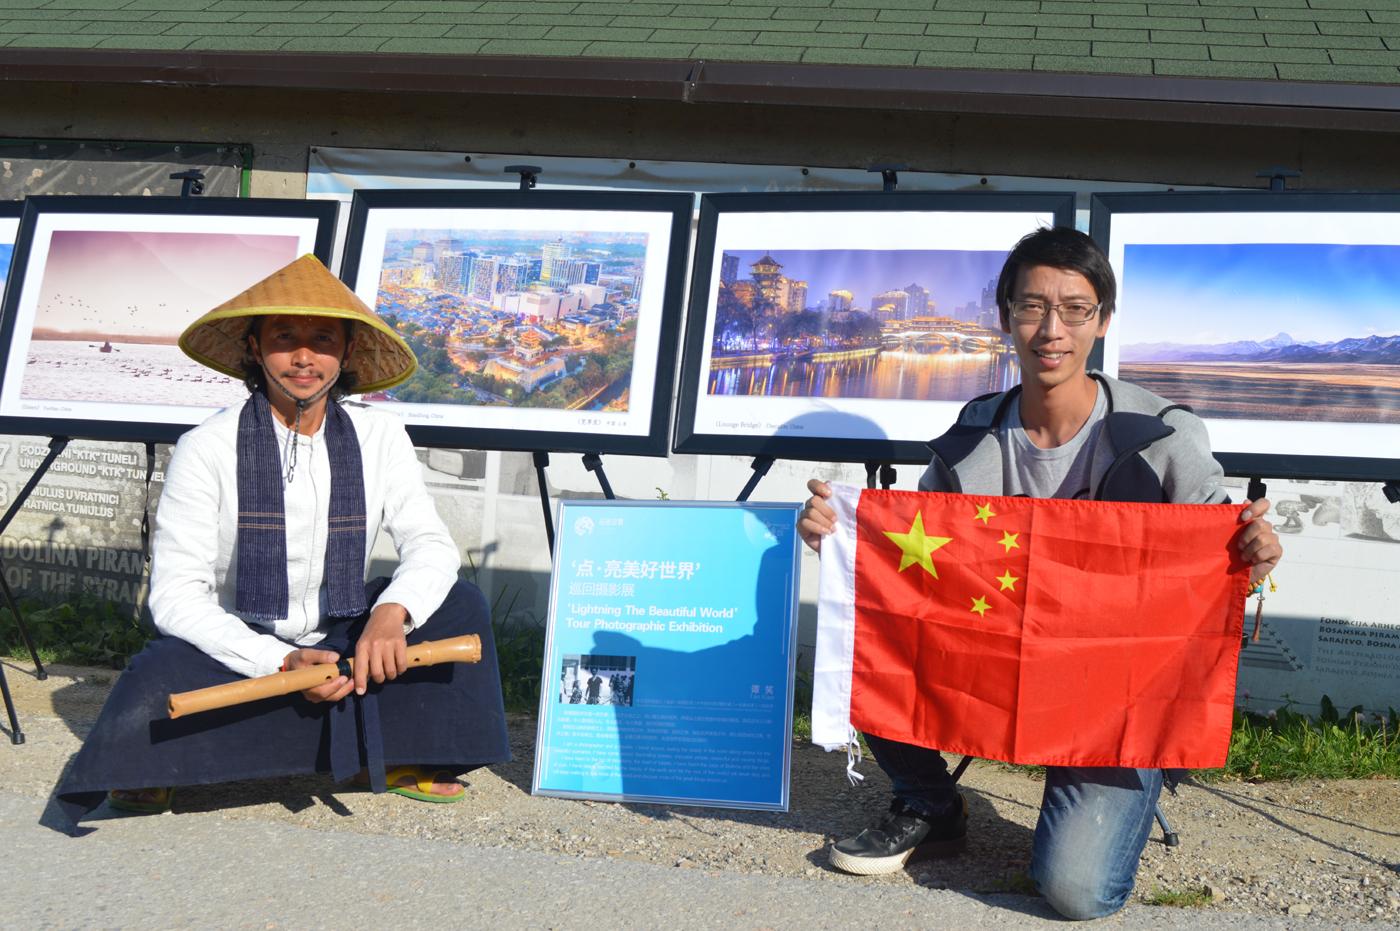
{"type": "Point", "coordinates": [261, 585]}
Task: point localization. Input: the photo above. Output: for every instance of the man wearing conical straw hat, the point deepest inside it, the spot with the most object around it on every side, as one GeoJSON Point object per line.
{"type": "Point", "coordinates": [261, 548]}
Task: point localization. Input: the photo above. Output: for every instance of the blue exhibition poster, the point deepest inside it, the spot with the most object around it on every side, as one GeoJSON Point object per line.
{"type": "Point", "coordinates": [669, 665]}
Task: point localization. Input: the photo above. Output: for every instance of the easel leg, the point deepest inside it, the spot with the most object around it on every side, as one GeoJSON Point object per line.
{"type": "Point", "coordinates": [760, 467]}
{"type": "Point", "coordinates": [883, 470]}
{"type": "Point", "coordinates": [16, 735]}
{"type": "Point", "coordinates": [57, 445]}
{"type": "Point", "coordinates": [39, 671]}
{"type": "Point", "coordinates": [541, 463]}
{"type": "Point", "coordinates": [594, 463]}
{"type": "Point", "coordinates": [1169, 837]}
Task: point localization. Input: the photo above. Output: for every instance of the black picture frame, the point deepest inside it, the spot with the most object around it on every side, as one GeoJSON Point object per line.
{"type": "Point", "coordinates": [10, 212]}
{"type": "Point", "coordinates": [537, 429]}
{"type": "Point", "coordinates": [1281, 448]}
{"type": "Point", "coordinates": [127, 422]}
{"type": "Point", "coordinates": [833, 443]}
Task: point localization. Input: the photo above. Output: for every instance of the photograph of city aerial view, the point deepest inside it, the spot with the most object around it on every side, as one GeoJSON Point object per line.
{"type": "Point", "coordinates": [111, 306]}
{"type": "Point", "coordinates": [517, 318]}
{"type": "Point", "coordinates": [1273, 331]}
{"type": "Point", "coordinates": [917, 325]}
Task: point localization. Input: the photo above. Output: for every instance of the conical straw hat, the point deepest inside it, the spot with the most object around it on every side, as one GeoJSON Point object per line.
{"type": "Point", "coordinates": [380, 359]}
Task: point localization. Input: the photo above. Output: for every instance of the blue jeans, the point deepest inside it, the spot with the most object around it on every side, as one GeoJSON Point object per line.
{"type": "Point", "coordinates": [1094, 823]}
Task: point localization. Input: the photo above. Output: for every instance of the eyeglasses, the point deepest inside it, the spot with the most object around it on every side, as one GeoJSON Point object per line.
{"type": "Point", "coordinates": [1073, 313]}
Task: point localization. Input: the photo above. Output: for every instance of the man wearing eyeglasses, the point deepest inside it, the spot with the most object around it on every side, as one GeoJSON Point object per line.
{"type": "Point", "coordinates": [1064, 432]}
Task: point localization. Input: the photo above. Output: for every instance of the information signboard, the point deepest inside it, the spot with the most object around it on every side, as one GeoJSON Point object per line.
{"type": "Point", "coordinates": [670, 656]}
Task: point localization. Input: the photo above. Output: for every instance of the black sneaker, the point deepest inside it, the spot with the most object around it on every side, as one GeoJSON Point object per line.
{"type": "Point", "coordinates": [901, 836]}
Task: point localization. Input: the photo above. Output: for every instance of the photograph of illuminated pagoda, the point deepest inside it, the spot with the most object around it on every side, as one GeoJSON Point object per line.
{"type": "Point", "coordinates": [515, 317]}
{"type": "Point", "coordinates": [860, 323]}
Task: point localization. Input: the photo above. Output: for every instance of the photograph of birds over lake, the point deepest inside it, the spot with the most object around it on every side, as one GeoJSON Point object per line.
{"type": "Point", "coordinates": [1265, 331]}
{"type": "Point", "coordinates": [112, 305]}
{"type": "Point", "coordinates": [515, 318]}
{"type": "Point", "coordinates": [915, 324]}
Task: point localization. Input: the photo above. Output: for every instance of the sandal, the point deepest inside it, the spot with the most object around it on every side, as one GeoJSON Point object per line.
{"type": "Point", "coordinates": [131, 800]}
{"type": "Point", "coordinates": [422, 790]}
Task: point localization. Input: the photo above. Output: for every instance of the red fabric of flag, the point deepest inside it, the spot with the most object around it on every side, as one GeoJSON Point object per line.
{"type": "Point", "coordinates": [1078, 633]}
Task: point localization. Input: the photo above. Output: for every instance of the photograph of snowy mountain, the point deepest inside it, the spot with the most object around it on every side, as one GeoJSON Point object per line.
{"type": "Point", "coordinates": [1265, 331]}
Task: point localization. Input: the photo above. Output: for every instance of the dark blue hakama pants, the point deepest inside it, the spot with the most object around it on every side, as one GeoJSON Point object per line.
{"type": "Point", "coordinates": [447, 717]}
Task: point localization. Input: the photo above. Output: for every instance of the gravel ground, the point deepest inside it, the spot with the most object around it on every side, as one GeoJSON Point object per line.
{"type": "Point", "coordinates": [1328, 850]}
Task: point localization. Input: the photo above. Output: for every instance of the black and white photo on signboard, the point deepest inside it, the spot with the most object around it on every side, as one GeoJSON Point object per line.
{"type": "Point", "coordinates": [597, 680]}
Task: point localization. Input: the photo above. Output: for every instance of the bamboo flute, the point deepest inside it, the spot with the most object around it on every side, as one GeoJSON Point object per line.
{"type": "Point", "coordinates": [464, 649]}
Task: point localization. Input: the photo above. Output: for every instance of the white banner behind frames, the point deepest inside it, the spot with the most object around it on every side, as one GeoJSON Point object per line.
{"type": "Point", "coordinates": [1340, 565]}
{"type": "Point", "coordinates": [335, 173]}
{"type": "Point", "coordinates": [1333, 626]}
{"type": "Point", "coordinates": [1366, 548]}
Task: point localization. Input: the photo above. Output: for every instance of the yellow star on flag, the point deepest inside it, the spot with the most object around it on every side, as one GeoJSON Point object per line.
{"type": "Point", "coordinates": [980, 606]}
{"type": "Point", "coordinates": [1008, 540]}
{"type": "Point", "coordinates": [1008, 581]}
{"type": "Point", "coordinates": [917, 546]}
{"type": "Point", "coordinates": [984, 511]}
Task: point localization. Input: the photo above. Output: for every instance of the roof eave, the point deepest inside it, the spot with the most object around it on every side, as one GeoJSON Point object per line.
{"type": "Point", "coordinates": [1311, 105]}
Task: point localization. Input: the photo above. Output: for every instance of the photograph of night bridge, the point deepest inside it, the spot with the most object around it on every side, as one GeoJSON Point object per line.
{"type": "Point", "coordinates": [860, 323]}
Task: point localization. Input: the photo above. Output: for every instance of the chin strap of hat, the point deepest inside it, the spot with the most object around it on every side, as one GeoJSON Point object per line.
{"type": "Point", "coordinates": [301, 404]}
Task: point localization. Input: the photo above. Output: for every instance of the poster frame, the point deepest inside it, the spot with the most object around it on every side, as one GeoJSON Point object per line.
{"type": "Point", "coordinates": [680, 207]}
{"type": "Point", "coordinates": [688, 438]}
{"type": "Point", "coordinates": [1291, 464]}
{"type": "Point", "coordinates": [135, 428]}
{"type": "Point", "coordinates": [10, 210]}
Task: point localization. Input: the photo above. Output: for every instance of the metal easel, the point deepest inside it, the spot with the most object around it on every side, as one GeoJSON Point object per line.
{"type": "Point", "coordinates": [593, 462]}
{"type": "Point", "coordinates": [57, 445]}
{"type": "Point", "coordinates": [191, 185]}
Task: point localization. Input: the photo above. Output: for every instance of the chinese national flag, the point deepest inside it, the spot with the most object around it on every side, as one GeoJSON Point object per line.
{"type": "Point", "coordinates": [1073, 633]}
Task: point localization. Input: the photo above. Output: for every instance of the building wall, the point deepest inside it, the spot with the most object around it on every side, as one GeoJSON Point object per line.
{"type": "Point", "coordinates": [282, 125]}
{"type": "Point", "coordinates": [490, 499]}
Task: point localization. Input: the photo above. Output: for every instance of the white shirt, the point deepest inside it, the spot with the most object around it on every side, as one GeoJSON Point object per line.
{"type": "Point", "coordinates": [195, 569]}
